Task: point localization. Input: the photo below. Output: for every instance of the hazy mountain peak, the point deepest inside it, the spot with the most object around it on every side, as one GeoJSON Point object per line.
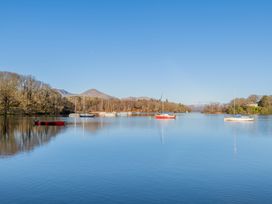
{"type": "Point", "coordinates": [96, 94]}
{"type": "Point", "coordinates": [63, 92]}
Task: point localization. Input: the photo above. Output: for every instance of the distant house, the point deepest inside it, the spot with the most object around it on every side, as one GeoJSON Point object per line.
{"type": "Point", "coordinates": [255, 105]}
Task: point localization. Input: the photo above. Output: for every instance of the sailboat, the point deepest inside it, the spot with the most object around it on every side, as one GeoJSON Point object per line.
{"type": "Point", "coordinates": [75, 114]}
{"type": "Point", "coordinates": [164, 116]}
{"type": "Point", "coordinates": [86, 115]}
{"type": "Point", "coordinates": [238, 118]}
{"type": "Point", "coordinates": [109, 114]}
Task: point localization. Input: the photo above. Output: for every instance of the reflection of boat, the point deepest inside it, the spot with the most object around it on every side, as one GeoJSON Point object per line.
{"type": "Point", "coordinates": [165, 116]}
{"type": "Point", "coordinates": [17, 134]}
{"type": "Point", "coordinates": [86, 115]}
{"type": "Point", "coordinates": [239, 118]}
{"type": "Point", "coordinates": [49, 123]}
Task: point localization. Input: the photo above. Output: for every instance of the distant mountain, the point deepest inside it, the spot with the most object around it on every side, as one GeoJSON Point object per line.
{"type": "Point", "coordinates": [97, 94]}
{"type": "Point", "coordinates": [131, 98]}
{"type": "Point", "coordinates": [64, 92]}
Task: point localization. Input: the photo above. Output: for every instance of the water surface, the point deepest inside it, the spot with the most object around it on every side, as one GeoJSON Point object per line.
{"type": "Point", "coordinates": [193, 159]}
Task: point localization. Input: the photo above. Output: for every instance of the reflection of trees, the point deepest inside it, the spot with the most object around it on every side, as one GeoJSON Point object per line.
{"type": "Point", "coordinates": [94, 126]}
{"type": "Point", "coordinates": [17, 135]}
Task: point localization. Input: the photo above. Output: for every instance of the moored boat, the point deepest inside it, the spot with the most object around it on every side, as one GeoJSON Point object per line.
{"type": "Point", "coordinates": [239, 119]}
{"type": "Point", "coordinates": [110, 114]}
{"type": "Point", "coordinates": [124, 114]}
{"type": "Point", "coordinates": [86, 115]}
{"type": "Point", "coordinates": [49, 123]}
{"type": "Point", "coordinates": [165, 116]}
{"type": "Point", "coordinates": [74, 115]}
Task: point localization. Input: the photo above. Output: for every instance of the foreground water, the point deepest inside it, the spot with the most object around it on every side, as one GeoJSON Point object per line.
{"type": "Point", "coordinates": [194, 159]}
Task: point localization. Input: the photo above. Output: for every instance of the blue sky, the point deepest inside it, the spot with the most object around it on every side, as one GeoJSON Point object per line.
{"type": "Point", "coordinates": [191, 51]}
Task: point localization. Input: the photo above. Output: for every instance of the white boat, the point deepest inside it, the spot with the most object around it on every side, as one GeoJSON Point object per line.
{"type": "Point", "coordinates": [107, 114]}
{"type": "Point", "coordinates": [124, 114]}
{"type": "Point", "coordinates": [239, 119]}
{"type": "Point", "coordinates": [74, 115]}
{"type": "Point", "coordinates": [110, 114]}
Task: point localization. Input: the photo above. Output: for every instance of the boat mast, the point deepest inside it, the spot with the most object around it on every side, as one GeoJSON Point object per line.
{"type": "Point", "coordinates": [75, 103]}
{"type": "Point", "coordinates": [162, 105]}
{"type": "Point", "coordinates": [234, 107]}
{"type": "Point", "coordinates": [84, 105]}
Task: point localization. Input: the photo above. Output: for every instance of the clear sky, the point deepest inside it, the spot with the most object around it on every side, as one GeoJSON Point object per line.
{"type": "Point", "coordinates": [191, 51]}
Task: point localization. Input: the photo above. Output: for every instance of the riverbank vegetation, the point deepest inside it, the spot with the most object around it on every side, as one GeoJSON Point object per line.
{"type": "Point", "coordinates": [251, 105]}
{"type": "Point", "coordinates": [90, 104]}
{"type": "Point", "coordinates": [27, 96]}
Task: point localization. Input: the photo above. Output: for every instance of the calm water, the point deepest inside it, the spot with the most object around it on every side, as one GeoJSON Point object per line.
{"type": "Point", "coordinates": [194, 159]}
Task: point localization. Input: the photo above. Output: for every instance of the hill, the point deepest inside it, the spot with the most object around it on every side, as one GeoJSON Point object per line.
{"type": "Point", "coordinates": [97, 94]}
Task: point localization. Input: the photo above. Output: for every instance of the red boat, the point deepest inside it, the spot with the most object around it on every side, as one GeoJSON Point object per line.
{"type": "Point", "coordinates": [49, 123]}
{"type": "Point", "coordinates": [165, 116]}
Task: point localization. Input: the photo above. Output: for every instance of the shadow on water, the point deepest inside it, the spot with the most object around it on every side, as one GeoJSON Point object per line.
{"type": "Point", "coordinates": [20, 135]}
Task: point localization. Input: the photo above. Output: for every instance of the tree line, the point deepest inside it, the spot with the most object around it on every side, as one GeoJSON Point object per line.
{"type": "Point", "coordinates": [251, 105]}
{"type": "Point", "coordinates": [89, 104]}
{"type": "Point", "coordinates": [25, 95]}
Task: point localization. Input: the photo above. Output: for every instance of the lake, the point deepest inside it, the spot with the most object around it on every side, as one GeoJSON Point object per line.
{"type": "Point", "coordinates": [194, 159]}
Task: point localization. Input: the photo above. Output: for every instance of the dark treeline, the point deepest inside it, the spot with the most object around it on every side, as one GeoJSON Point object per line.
{"type": "Point", "coordinates": [27, 96]}
{"type": "Point", "coordinates": [252, 105]}
{"type": "Point", "coordinates": [89, 104]}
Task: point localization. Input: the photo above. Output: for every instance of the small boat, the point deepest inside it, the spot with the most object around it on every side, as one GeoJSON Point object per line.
{"type": "Point", "coordinates": [49, 123]}
{"type": "Point", "coordinates": [107, 114]}
{"type": "Point", "coordinates": [110, 114]}
{"type": "Point", "coordinates": [124, 114]}
{"type": "Point", "coordinates": [74, 115]}
{"type": "Point", "coordinates": [239, 118]}
{"type": "Point", "coordinates": [165, 116]}
{"type": "Point", "coordinates": [86, 115]}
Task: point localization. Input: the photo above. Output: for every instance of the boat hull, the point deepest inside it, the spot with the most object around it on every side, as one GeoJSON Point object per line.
{"type": "Point", "coordinates": [233, 119]}
{"type": "Point", "coordinates": [107, 114]}
{"type": "Point", "coordinates": [74, 115]}
{"type": "Point", "coordinates": [86, 115]}
{"type": "Point", "coordinates": [49, 123]}
{"type": "Point", "coordinates": [165, 117]}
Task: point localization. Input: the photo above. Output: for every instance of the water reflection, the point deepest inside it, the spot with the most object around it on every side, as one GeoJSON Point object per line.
{"type": "Point", "coordinates": [86, 125]}
{"type": "Point", "coordinates": [20, 135]}
{"type": "Point", "coordinates": [262, 127]}
{"type": "Point", "coordinates": [163, 126]}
